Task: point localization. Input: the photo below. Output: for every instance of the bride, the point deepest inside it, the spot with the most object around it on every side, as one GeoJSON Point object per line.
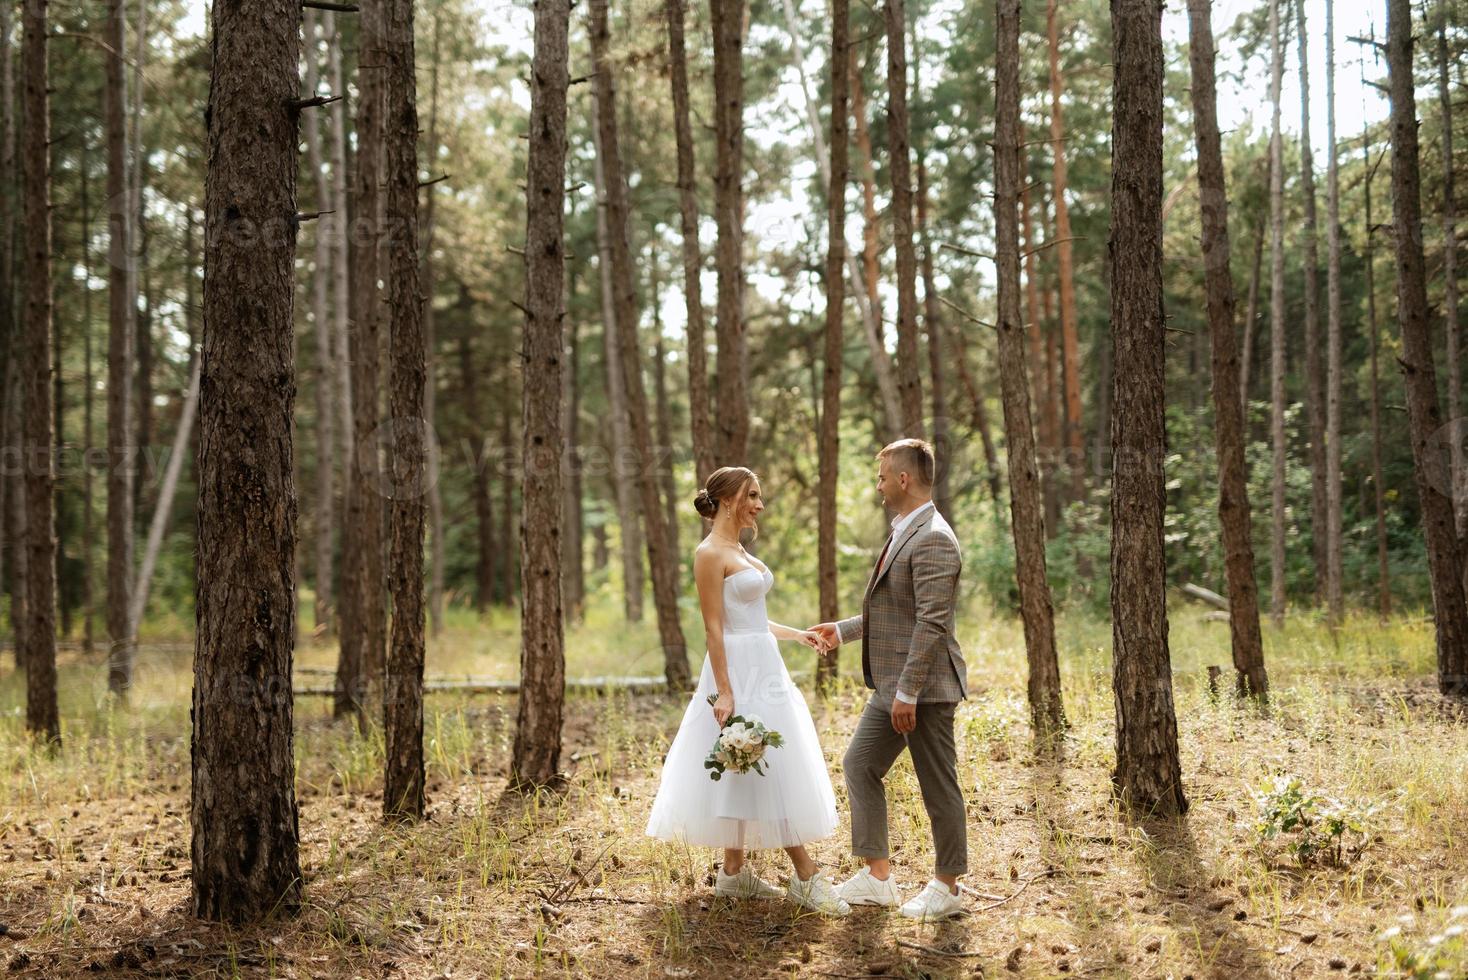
{"type": "Point", "coordinates": [792, 803]}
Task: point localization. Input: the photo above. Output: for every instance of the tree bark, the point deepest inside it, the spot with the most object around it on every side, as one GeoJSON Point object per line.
{"type": "Point", "coordinates": [698, 371]}
{"type": "Point", "coordinates": [402, 702]}
{"type": "Point", "coordinates": [1047, 716]}
{"type": "Point", "coordinates": [1278, 447]}
{"type": "Point", "coordinates": [87, 389]}
{"type": "Point", "coordinates": [978, 414]}
{"type": "Point", "coordinates": [1233, 494]}
{"type": "Point", "coordinates": [430, 355]}
{"type": "Point", "coordinates": [16, 503]}
{"type": "Point", "coordinates": [478, 442]}
{"type": "Point", "coordinates": [1335, 601]}
{"type": "Point", "coordinates": [1424, 416]}
{"type": "Point", "coordinates": [661, 561]}
{"type": "Point", "coordinates": [1148, 776]}
{"type": "Point", "coordinates": [39, 464]}
{"type": "Point", "coordinates": [629, 526]}
{"type": "Point", "coordinates": [336, 227]}
{"type": "Point", "coordinates": [245, 853]}
{"type": "Point", "coordinates": [664, 447]}
{"type": "Point", "coordinates": [1314, 375]}
{"type": "Point", "coordinates": [325, 510]}
{"type": "Point", "coordinates": [833, 336]}
{"type": "Point", "coordinates": [1069, 345]}
{"type": "Point", "coordinates": [1454, 329]}
{"type": "Point", "coordinates": [909, 374]}
{"type": "Point", "coordinates": [362, 604]}
{"type": "Point", "coordinates": [537, 749]}
{"type": "Point", "coordinates": [1251, 318]}
{"type": "Point", "coordinates": [9, 193]}
{"type": "Point", "coordinates": [573, 574]}
{"type": "Point", "coordinates": [943, 445]}
{"type": "Point", "coordinates": [508, 574]}
{"type": "Point", "coordinates": [732, 417]}
{"type": "Point", "coordinates": [121, 349]}
{"type": "Point", "coordinates": [1383, 565]}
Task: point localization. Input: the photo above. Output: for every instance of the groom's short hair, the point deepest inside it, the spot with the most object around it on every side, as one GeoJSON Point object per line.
{"type": "Point", "coordinates": [913, 457]}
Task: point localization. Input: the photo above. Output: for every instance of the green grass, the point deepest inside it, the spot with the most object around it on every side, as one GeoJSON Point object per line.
{"type": "Point", "coordinates": [94, 840]}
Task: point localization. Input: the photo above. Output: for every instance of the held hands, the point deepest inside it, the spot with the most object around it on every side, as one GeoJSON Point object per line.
{"type": "Point", "coordinates": [827, 634]}
{"type": "Point", "coordinates": [813, 640]}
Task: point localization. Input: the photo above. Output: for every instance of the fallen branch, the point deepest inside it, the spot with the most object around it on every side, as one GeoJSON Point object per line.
{"type": "Point", "coordinates": [1017, 892]}
{"type": "Point", "coordinates": [935, 951]}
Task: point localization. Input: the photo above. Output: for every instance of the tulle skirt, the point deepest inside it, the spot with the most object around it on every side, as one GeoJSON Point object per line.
{"type": "Point", "coordinates": [790, 804]}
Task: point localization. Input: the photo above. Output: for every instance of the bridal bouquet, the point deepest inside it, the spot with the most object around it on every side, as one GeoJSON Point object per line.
{"type": "Point", "coordinates": [741, 745]}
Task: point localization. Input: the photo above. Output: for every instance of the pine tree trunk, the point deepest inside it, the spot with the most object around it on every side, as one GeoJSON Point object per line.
{"type": "Point", "coordinates": [542, 653]}
{"type": "Point", "coordinates": [478, 440]}
{"type": "Point", "coordinates": [698, 371]}
{"type": "Point", "coordinates": [573, 574]}
{"type": "Point", "coordinates": [834, 340]}
{"type": "Point", "coordinates": [1251, 320]}
{"type": "Point", "coordinates": [629, 526]}
{"type": "Point", "coordinates": [245, 858]}
{"type": "Point", "coordinates": [978, 414]}
{"type": "Point", "coordinates": [15, 503]}
{"type": "Point", "coordinates": [661, 561]}
{"type": "Point", "coordinates": [664, 448]}
{"type": "Point", "coordinates": [325, 509]}
{"type": "Point", "coordinates": [1335, 600]}
{"type": "Point", "coordinates": [335, 227]}
{"type": "Point", "coordinates": [363, 616]}
{"type": "Point", "coordinates": [909, 374]}
{"type": "Point", "coordinates": [1233, 496]}
{"type": "Point", "coordinates": [1383, 565]}
{"type": "Point", "coordinates": [87, 386]}
{"type": "Point", "coordinates": [1148, 776]}
{"type": "Point", "coordinates": [1278, 447]}
{"type": "Point", "coordinates": [121, 348]}
{"type": "Point", "coordinates": [1314, 374]}
{"type": "Point", "coordinates": [1424, 415]}
{"type": "Point", "coordinates": [430, 361]}
{"type": "Point", "coordinates": [9, 192]}
{"type": "Point", "coordinates": [943, 444]}
{"type": "Point", "coordinates": [1047, 717]}
{"type": "Point", "coordinates": [731, 420]}
{"type": "Point", "coordinates": [41, 715]}
{"type": "Point", "coordinates": [1069, 345]}
{"type": "Point", "coordinates": [1454, 329]}
{"type": "Point", "coordinates": [509, 576]}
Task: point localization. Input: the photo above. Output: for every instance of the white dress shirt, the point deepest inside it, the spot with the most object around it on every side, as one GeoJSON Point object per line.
{"type": "Point", "coordinates": [901, 523]}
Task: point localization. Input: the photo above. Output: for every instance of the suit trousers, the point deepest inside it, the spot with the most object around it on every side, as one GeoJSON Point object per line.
{"type": "Point", "coordinates": [874, 748]}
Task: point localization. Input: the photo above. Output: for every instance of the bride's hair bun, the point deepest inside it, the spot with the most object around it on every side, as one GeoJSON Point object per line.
{"type": "Point", "coordinates": [706, 505]}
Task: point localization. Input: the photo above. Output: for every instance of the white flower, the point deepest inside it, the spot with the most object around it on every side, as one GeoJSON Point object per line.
{"type": "Point", "coordinates": [1391, 933]}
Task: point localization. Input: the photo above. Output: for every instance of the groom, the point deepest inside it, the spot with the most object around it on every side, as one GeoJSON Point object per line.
{"type": "Point", "coordinates": [910, 658]}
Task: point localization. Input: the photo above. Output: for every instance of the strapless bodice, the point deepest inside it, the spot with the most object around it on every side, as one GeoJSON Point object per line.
{"type": "Point", "coordinates": [744, 600]}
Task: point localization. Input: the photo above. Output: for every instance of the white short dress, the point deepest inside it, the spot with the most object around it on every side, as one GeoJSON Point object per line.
{"type": "Point", "coordinates": [792, 803]}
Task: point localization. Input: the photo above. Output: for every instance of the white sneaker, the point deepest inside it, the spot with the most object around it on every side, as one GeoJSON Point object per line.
{"type": "Point", "coordinates": [745, 884]}
{"type": "Point", "coordinates": [817, 894]}
{"type": "Point", "coordinates": [933, 902]}
{"type": "Point", "coordinates": [863, 888]}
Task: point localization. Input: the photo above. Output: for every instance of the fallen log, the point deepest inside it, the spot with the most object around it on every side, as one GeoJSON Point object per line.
{"type": "Point", "coordinates": [1205, 595]}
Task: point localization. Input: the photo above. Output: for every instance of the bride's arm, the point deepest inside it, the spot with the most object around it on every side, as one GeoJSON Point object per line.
{"type": "Point", "coordinates": [808, 637]}
{"type": "Point", "coordinates": [708, 575]}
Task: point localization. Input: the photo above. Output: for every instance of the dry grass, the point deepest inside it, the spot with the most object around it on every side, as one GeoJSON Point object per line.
{"type": "Point", "coordinates": [94, 842]}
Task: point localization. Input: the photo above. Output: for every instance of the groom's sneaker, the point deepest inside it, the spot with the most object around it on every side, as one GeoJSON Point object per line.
{"type": "Point", "coordinates": [745, 884]}
{"type": "Point", "coordinates": [863, 888]}
{"type": "Point", "coordinates": [817, 894]}
{"type": "Point", "coordinates": [935, 901]}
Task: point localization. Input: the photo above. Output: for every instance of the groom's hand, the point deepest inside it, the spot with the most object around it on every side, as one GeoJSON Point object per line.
{"type": "Point", "coordinates": [904, 716]}
{"type": "Point", "coordinates": [829, 634]}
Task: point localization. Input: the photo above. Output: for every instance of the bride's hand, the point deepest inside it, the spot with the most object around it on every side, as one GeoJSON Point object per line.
{"type": "Point", "coordinates": [812, 639]}
{"type": "Point", "coordinates": [723, 708]}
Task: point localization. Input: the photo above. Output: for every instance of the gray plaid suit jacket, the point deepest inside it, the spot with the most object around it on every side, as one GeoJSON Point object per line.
{"type": "Point", "coordinates": [907, 617]}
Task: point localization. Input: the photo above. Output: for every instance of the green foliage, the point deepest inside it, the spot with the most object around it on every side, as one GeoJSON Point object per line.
{"type": "Point", "coordinates": [1320, 830]}
{"type": "Point", "coordinates": [1418, 953]}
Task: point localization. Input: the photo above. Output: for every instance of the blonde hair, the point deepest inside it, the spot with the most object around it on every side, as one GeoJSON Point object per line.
{"type": "Point", "coordinates": [915, 457]}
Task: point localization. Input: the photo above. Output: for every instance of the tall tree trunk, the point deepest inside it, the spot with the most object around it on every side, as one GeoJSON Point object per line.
{"type": "Point", "coordinates": [325, 515]}
{"type": "Point", "coordinates": [362, 604]}
{"type": "Point", "coordinates": [573, 574]}
{"type": "Point", "coordinates": [479, 453]}
{"type": "Point", "coordinates": [871, 231]}
{"type": "Point", "coordinates": [1233, 494]}
{"type": "Point", "coordinates": [430, 362]}
{"type": "Point", "coordinates": [1069, 346]}
{"type": "Point", "coordinates": [1251, 319]}
{"type": "Point", "coordinates": [909, 374]}
{"type": "Point", "coordinates": [245, 856]}
{"type": "Point", "coordinates": [1047, 716]}
{"type": "Point", "coordinates": [698, 371]}
{"type": "Point", "coordinates": [402, 702]}
{"type": "Point", "coordinates": [661, 561]}
{"type": "Point", "coordinates": [664, 448]}
{"type": "Point", "coordinates": [1335, 601]}
{"type": "Point", "coordinates": [629, 526]}
{"type": "Point", "coordinates": [1454, 329]}
{"type": "Point", "coordinates": [336, 227]}
{"type": "Point", "coordinates": [121, 348]}
{"type": "Point", "coordinates": [1148, 775]}
{"type": "Point", "coordinates": [732, 416]}
{"type": "Point", "coordinates": [508, 576]}
{"type": "Point", "coordinates": [1314, 375]}
{"type": "Point", "coordinates": [15, 503]}
{"type": "Point", "coordinates": [943, 444]}
{"type": "Point", "coordinates": [41, 715]}
{"type": "Point", "coordinates": [9, 193]}
{"type": "Point", "coordinates": [542, 650]}
{"type": "Point", "coordinates": [1278, 448]}
{"type": "Point", "coordinates": [1383, 565]}
{"type": "Point", "coordinates": [87, 384]}
{"type": "Point", "coordinates": [834, 339]}
{"type": "Point", "coordinates": [1424, 415]}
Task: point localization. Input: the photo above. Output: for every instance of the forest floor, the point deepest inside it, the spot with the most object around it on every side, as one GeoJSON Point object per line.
{"type": "Point", "coordinates": [94, 842]}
